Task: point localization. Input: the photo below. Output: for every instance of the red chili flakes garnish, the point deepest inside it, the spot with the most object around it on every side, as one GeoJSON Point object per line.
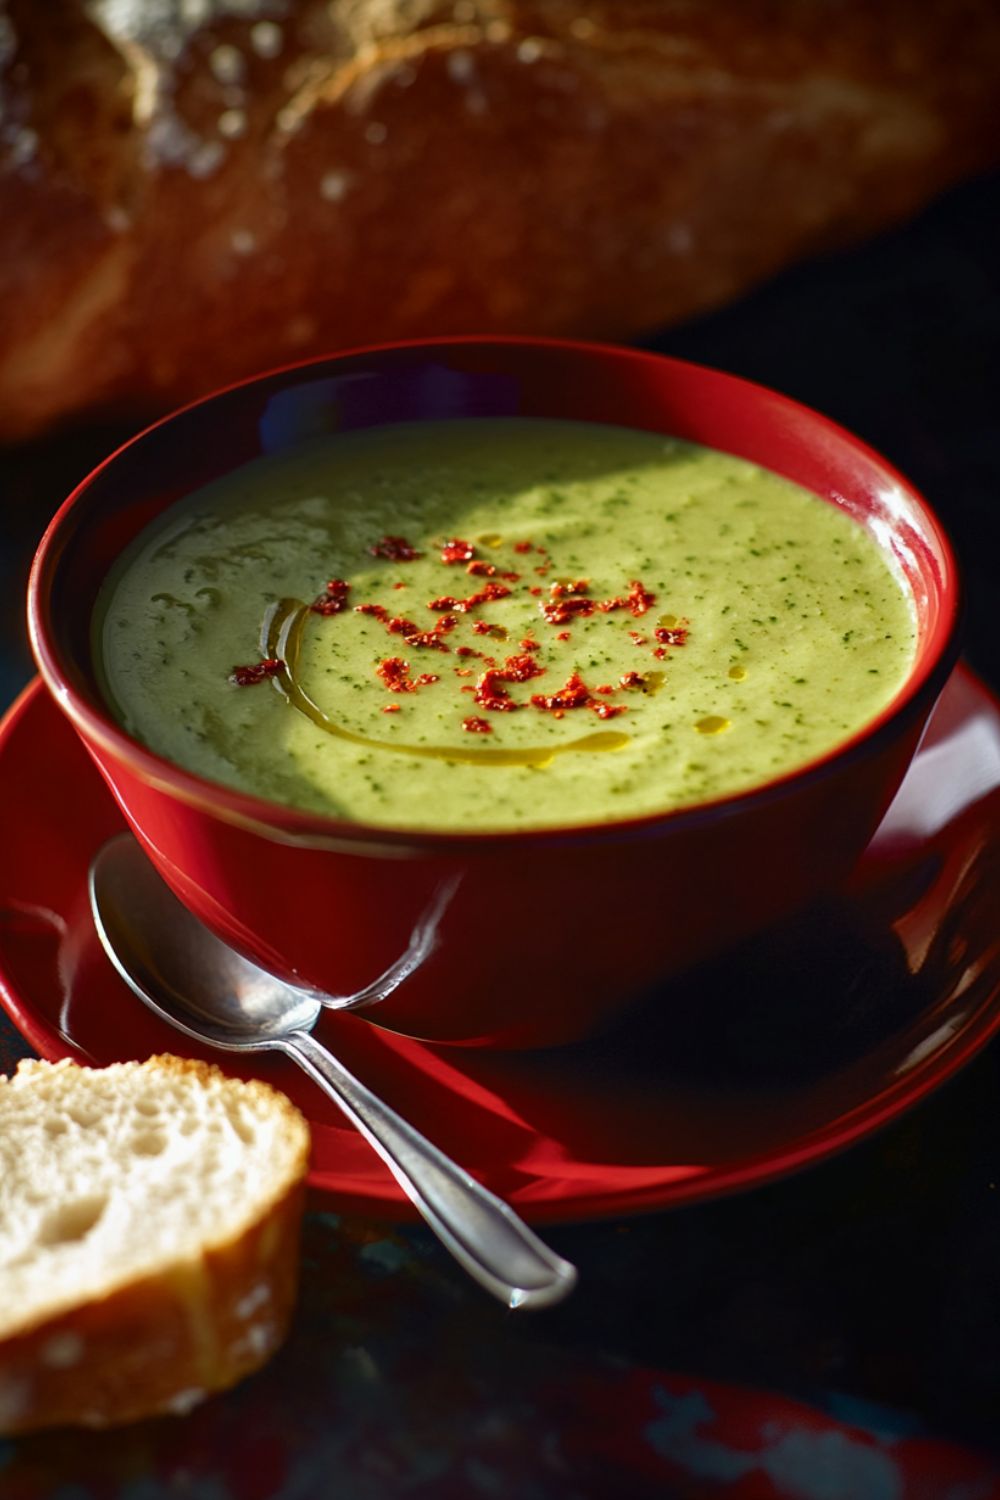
{"type": "Point", "coordinates": [463, 671]}
{"type": "Point", "coordinates": [676, 636]}
{"type": "Point", "coordinates": [520, 669]}
{"type": "Point", "coordinates": [638, 637]}
{"type": "Point", "coordinates": [490, 691]}
{"type": "Point", "coordinates": [561, 610]}
{"type": "Point", "coordinates": [391, 708]}
{"type": "Point", "coordinates": [467, 650]}
{"type": "Point", "coordinates": [564, 635]}
{"type": "Point", "coordinates": [568, 601]}
{"type": "Point", "coordinates": [575, 694]}
{"type": "Point", "coordinates": [400, 585]}
{"type": "Point", "coordinates": [604, 688]}
{"type": "Point", "coordinates": [523, 547]}
{"type": "Point", "coordinates": [412, 634]}
{"type": "Point", "coordinates": [536, 590]}
{"type": "Point", "coordinates": [333, 600]}
{"type": "Point", "coordinates": [638, 600]}
{"type": "Point", "coordinates": [394, 549]}
{"type": "Point", "coordinates": [427, 638]}
{"type": "Point", "coordinates": [529, 644]}
{"type": "Point", "coordinates": [477, 726]}
{"type": "Point", "coordinates": [481, 569]}
{"type": "Point", "coordinates": [485, 595]}
{"type": "Point", "coordinates": [395, 673]}
{"type": "Point", "coordinates": [660, 653]}
{"type": "Point", "coordinates": [543, 570]}
{"type": "Point", "coordinates": [457, 551]}
{"type": "Point", "coordinates": [491, 694]}
{"type": "Point", "coordinates": [632, 680]}
{"type": "Point", "coordinates": [247, 676]}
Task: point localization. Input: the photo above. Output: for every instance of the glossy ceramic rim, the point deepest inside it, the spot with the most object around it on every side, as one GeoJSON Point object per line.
{"type": "Point", "coordinates": [273, 819]}
{"type": "Point", "coordinates": [895, 1095]}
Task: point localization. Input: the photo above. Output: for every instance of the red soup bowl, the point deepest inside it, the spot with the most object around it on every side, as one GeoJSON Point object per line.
{"type": "Point", "coordinates": [520, 938]}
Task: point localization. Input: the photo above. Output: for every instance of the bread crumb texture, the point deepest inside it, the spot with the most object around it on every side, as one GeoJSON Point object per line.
{"type": "Point", "coordinates": [149, 1217]}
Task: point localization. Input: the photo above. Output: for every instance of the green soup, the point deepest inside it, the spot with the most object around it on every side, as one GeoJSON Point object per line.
{"type": "Point", "coordinates": [500, 623]}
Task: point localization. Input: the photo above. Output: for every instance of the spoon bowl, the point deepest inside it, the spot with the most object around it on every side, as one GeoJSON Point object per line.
{"type": "Point", "coordinates": [179, 968]}
{"type": "Point", "coordinates": [200, 986]}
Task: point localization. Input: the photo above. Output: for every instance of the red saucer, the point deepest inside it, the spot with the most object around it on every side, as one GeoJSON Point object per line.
{"type": "Point", "coordinates": [803, 1041]}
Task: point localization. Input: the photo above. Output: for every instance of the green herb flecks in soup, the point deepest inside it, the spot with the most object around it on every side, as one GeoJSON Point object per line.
{"type": "Point", "coordinates": [500, 623]}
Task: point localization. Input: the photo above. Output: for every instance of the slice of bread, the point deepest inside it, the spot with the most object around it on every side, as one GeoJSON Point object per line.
{"type": "Point", "coordinates": [149, 1226]}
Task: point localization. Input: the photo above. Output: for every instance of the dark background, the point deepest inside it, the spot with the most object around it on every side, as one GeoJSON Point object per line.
{"type": "Point", "coordinates": [878, 1274]}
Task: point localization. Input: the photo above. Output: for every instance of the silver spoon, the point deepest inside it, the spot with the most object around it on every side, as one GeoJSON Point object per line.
{"type": "Point", "coordinates": [194, 981]}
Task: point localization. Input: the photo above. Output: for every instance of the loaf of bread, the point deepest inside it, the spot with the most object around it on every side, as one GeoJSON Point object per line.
{"type": "Point", "coordinates": [148, 1237]}
{"type": "Point", "coordinates": [194, 190]}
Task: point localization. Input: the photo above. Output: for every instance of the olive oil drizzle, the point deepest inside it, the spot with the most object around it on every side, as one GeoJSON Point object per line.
{"type": "Point", "coordinates": [281, 638]}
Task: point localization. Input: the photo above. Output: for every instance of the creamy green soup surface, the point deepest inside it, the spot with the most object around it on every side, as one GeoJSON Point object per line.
{"type": "Point", "coordinates": [598, 623]}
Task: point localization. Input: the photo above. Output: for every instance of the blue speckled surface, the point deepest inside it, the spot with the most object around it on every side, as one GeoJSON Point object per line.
{"type": "Point", "coordinates": [832, 1337]}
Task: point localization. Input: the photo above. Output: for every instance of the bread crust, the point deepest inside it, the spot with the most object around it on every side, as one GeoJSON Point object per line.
{"type": "Point", "coordinates": [162, 1342]}
{"type": "Point", "coordinates": [184, 206]}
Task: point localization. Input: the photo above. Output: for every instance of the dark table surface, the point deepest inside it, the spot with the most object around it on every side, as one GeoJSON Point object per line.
{"type": "Point", "coordinates": [844, 1322]}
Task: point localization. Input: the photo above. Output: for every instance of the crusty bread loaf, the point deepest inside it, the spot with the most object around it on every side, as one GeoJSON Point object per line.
{"type": "Point", "coordinates": [149, 1219]}
{"type": "Point", "coordinates": [193, 190]}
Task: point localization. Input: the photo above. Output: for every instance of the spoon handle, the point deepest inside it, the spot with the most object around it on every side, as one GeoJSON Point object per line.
{"type": "Point", "coordinates": [482, 1232]}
